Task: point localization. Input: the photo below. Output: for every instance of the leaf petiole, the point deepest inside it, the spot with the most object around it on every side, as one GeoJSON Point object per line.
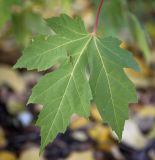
{"type": "Point", "coordinates": [97, 17]}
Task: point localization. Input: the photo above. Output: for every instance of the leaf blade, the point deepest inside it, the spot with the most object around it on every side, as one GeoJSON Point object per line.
{"type": "Point", "coordinates": [68, 90]}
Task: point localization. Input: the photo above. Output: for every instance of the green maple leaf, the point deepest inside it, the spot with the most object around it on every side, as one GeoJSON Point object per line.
{"type": "Point", "coordinates": [68, 90]}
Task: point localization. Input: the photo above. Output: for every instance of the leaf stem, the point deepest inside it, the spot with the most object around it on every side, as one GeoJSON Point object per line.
{"type": "Point", "coordinates": [97, 17]}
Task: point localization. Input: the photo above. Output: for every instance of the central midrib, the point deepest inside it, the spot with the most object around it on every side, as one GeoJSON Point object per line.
{"type": "Point", "coordinates": [107, 79]}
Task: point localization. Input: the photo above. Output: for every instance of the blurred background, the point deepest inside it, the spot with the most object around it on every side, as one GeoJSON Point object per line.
{"type": "Point", "coordinates": [132, 21]}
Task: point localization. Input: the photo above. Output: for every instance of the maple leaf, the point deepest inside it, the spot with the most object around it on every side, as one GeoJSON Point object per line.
{"type": "Point", "coordinates": [68, 89]}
